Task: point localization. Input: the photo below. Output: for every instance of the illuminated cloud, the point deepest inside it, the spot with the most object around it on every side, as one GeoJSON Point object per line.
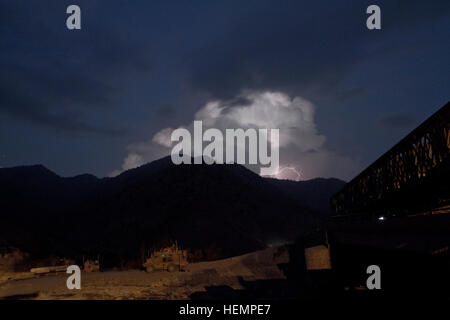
{"type": "Point", "coordinates": [302, 151]}
{"type": "Point", "coordinates": [163, 137]}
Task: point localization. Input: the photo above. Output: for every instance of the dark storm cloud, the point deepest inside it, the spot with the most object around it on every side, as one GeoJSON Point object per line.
{"type": "Point", "coordinates": [343, 96]}
{"type": "Point", "coordinates": [59, 79]}
{"type": "Point", "coordinates": [301, 47]}
{"type": "Point", "coordinates": [27, 108]}
{"type": "Point", "coordinates": [165, 110]}
{"type": "Point", "coordinates": [61, 83]}
{"type": "Point", "coordinates": [34, 111]}
{"type": "Point", "coordinates": [397, 121]}
{"type": "Point", "coordinates": [139, 67]}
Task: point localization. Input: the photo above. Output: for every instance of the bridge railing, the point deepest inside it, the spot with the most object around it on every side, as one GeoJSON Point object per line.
{"type": "Point", "coordinates": [411, 176]}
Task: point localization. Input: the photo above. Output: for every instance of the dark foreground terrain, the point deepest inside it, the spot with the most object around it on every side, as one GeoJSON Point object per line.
{"type": "Point", "coordinates": [215, 211]}
{"type": "Point", "coordinates": [223, 276]}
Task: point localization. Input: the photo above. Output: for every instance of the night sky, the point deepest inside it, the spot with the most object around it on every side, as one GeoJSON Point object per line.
{"type": "Point", "coordinates": [104, 98]}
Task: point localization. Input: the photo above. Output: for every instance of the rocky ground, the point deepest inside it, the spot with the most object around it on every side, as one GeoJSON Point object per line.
{"type": "Point", "coordinates": [227, 276]}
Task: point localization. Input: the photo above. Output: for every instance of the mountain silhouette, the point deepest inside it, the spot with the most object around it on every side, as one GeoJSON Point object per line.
{"type": "Point", "coordinates": [314, 194]}
{"type": "Point", "coordinates": [226, 209]}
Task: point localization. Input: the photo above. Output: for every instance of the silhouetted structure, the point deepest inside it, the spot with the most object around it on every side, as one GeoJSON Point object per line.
{"type": "Point", "coordinates": [396, 214]}
{"type": "Point", "coordinates": [410, 178]}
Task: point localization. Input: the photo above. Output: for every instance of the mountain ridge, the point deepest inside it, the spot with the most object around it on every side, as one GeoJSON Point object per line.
{"type": "Point", "coordinates": [226, 209]}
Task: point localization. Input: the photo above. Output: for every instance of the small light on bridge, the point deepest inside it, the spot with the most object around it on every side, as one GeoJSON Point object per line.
{"type": "Point", "coordinates": [381, 218]}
